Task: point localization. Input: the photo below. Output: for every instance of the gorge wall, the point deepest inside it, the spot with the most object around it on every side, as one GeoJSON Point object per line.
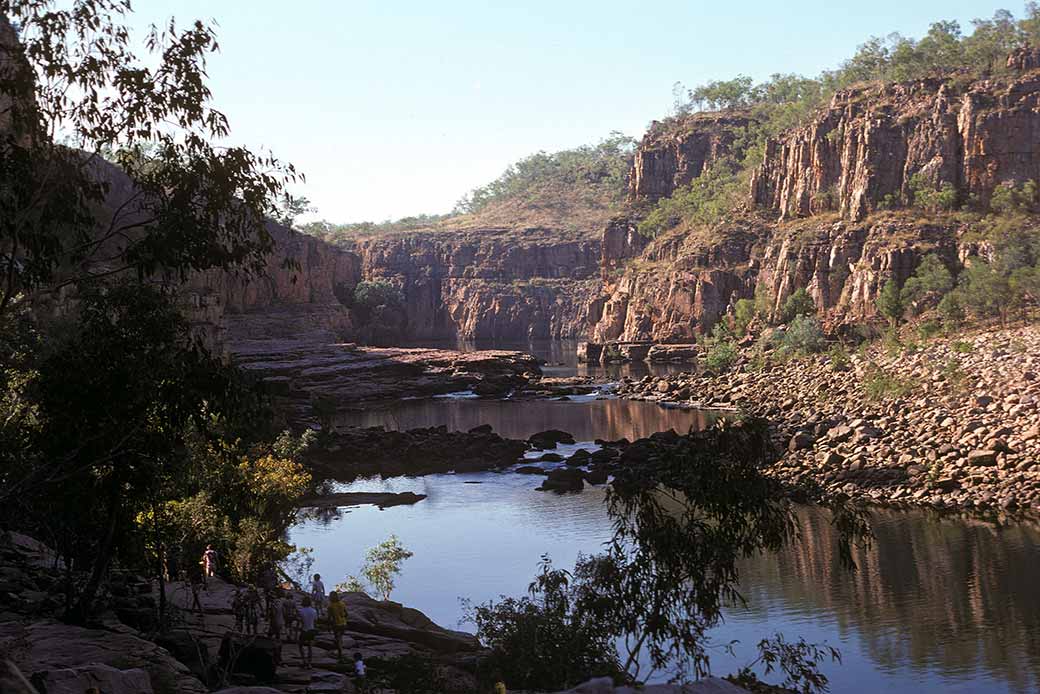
{"type": "Point", "coordinates": [815, 214]}
{"type": "Point", "coordinates": [488, 284]}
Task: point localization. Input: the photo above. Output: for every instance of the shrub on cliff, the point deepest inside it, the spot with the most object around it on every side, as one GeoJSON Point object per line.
{"type": "Point", "coordinates": [804, 334]}
{"type": "Point", "coordinates": [704, 201]}
{"type": "Point", "coordinates": [798, 304]}
{"type": "Point", "coordinates": [929, 283]}
{"type": "Point", "coordinates": [889, 302]}
{"type": "Point", "coordinates": [599, 169]}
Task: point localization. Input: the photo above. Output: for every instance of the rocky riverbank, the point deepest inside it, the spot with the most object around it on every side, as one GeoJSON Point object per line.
{"type": "Point", "coordinates": [953, 423]}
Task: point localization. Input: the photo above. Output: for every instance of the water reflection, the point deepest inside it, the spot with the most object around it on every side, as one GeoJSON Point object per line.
{"type": "Point", "coordinates": [936, 606]}
{"type": "Point", "coordinates": [608, 419]}
{"type": "Point", "coordinates": [933, 596]}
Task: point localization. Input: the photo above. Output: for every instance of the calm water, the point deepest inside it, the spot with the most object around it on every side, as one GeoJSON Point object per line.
{"type": "Point", "coordinates": [938, 605]}
{"type": "Point", "coordinates": [585, 418]}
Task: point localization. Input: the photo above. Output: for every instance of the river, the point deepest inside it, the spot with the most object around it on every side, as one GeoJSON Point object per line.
{"type": "Point", "coordinates": [937, 605]}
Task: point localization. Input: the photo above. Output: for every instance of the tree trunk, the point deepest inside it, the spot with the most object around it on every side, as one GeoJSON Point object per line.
{"type": "Point", "coordinates": [81, 610]}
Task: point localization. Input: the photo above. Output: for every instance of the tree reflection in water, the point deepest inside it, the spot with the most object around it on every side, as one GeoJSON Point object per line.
{"type": "Point", "coordinates": [950, 595]}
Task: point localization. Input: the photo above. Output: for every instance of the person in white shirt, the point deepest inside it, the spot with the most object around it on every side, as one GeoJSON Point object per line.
{"type": "Point", "coordinates": [359, 665]}
{"type": "Point", "coordinates": [308, 630]}
{"type": "Point", "coordinates": [318, 593]}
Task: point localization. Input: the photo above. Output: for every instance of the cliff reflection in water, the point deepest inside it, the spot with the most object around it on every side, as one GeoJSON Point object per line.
{"type": "Point", "coordinates": [940, 595]}
{"type": "Point", "coordinates": [586, 421]}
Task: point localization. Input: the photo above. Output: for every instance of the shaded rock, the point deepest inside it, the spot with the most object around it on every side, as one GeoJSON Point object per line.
{"type": "Point", "coordinates": [564, 480]}
{"type": "Point", "coordinates": [549, 439]}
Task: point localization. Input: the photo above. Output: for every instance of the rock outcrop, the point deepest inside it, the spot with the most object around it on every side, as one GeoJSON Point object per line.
{"type": "Point", "coordinates": [863, 150]}
{"type": "Point", "coordinates": [676, 151]}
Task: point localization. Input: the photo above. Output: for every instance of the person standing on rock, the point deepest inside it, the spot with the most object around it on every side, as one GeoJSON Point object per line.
{"type": "Point", "coordinates": [338, 620]}
{"type": "Point", "coordinates": [318, 593]}
{"type": "Point", "coordinates": [209, 564]}
{"type": "Point", "coordinates": [275, 617]}
{"type": "Point", "coordinates": [290, 616]}
{"type": "Point", "coordinates": [308, 631]}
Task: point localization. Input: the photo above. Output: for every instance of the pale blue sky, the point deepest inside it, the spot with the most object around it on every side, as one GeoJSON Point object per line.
{"type": "Point", "coordinates": [396, 108]}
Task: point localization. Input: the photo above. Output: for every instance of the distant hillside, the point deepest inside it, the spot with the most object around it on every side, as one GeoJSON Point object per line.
{"type": "Point", "coordinates": [573, 192]}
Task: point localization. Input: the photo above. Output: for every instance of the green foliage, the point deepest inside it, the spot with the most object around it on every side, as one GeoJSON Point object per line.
{"type": "Point", "coordinates": [985, 291]}
{"type": "Point", "coordinates": [743, 313]}
{"type": "Point", "coordinates": [547, 640]}
{"type": "Point", "coordinates": [720, 353]}
{"type": "Point", "coordinates": [951, 311]}
{"type": "Point", "coordinates": [1009, 199]}
{"type": "Point", "coordinates": [682, 521]}
{"type": "Point", "coordinates": [705, 201]}
{"type": "Point", "coordinates": [382, 566]}
{"type": "Point", "coordinates": [191, 205]}
{"type": "Point", "coordinates": [881, 385]}
{"type": "Point", "coordinates": [372, 295]}
{"type": "Point", "coordinates": [929, 283]}
{"type": "Point", "coordinates": [799, 661]}
{"type": "Point", "coordinates": [798, 304]}
{"type": "Point", "coordinates": [603, 166]}
{"type": "Point", "coordinates": [839, 358]}
{"type": "Point", "coordinates": [804, 335]}
{"type": "Point", "coordinates": [890, 302]}
{"type": "Point", "coordinates": [289, 208]}
{"type": "Point", "coordinates": [343, 233]}
{"type": "Point", "coordinates": [925, 196]}
{"type": "Point", "coordinates": [128, 435]}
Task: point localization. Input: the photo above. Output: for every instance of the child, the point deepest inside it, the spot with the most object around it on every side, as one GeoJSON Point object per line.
{"type": "Point", "coordinates": [359, 666]}
{"type": "Point", "coordinates": [308, 631]}
{"type": "Point", "coordinates": [318, 593]}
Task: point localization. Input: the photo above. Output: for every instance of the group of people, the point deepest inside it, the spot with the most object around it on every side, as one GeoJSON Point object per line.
{"type": "Point", "coordinates": [287, 621]}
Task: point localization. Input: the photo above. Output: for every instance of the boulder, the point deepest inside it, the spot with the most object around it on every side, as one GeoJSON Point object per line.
{"type": "Point", "coordinates": [673, 353]}
{"type": "Point", "coordinates": [549, 439]}
{"type": "Point", "coordinates": [982, 458]}
{"type": "Point", "coordinates": [530, 470]}
{"type": "Point", "coordinates": [51, 645]}
{"type": "Point", "coordinates": [800, 440]}
{"type": "Point", "coordinates": [104, 678]}
{"type": "Point", "coordinates": [564, 480]}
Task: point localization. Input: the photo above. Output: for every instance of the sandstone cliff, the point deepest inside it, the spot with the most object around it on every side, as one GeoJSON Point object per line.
{"type": "Point", "coordinates": [816, 204]}
{"type": "Point", "coordinates": [488, 284]}
{"type": "Point", "coordinates": [870, 141]}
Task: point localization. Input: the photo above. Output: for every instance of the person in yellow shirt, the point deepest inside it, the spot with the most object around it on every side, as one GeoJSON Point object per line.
{"type": "Point", "coordinates": [338, 619]}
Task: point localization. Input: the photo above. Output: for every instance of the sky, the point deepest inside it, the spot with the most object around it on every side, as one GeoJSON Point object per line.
{"type": "Point", "coordinates": [399, 107]}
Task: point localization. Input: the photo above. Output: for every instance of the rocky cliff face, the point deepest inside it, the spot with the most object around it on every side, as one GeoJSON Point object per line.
{"type": "Point", "coordinates": [675, 152]}
{"type": "Point", "coordinates": [488, 284]}
{"type": "Point", "coordinates": [868, 144]}
{"type": "Point", "coordinates": [819, 196]}
{"type": "Point", "coordinates": [308, 300]}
